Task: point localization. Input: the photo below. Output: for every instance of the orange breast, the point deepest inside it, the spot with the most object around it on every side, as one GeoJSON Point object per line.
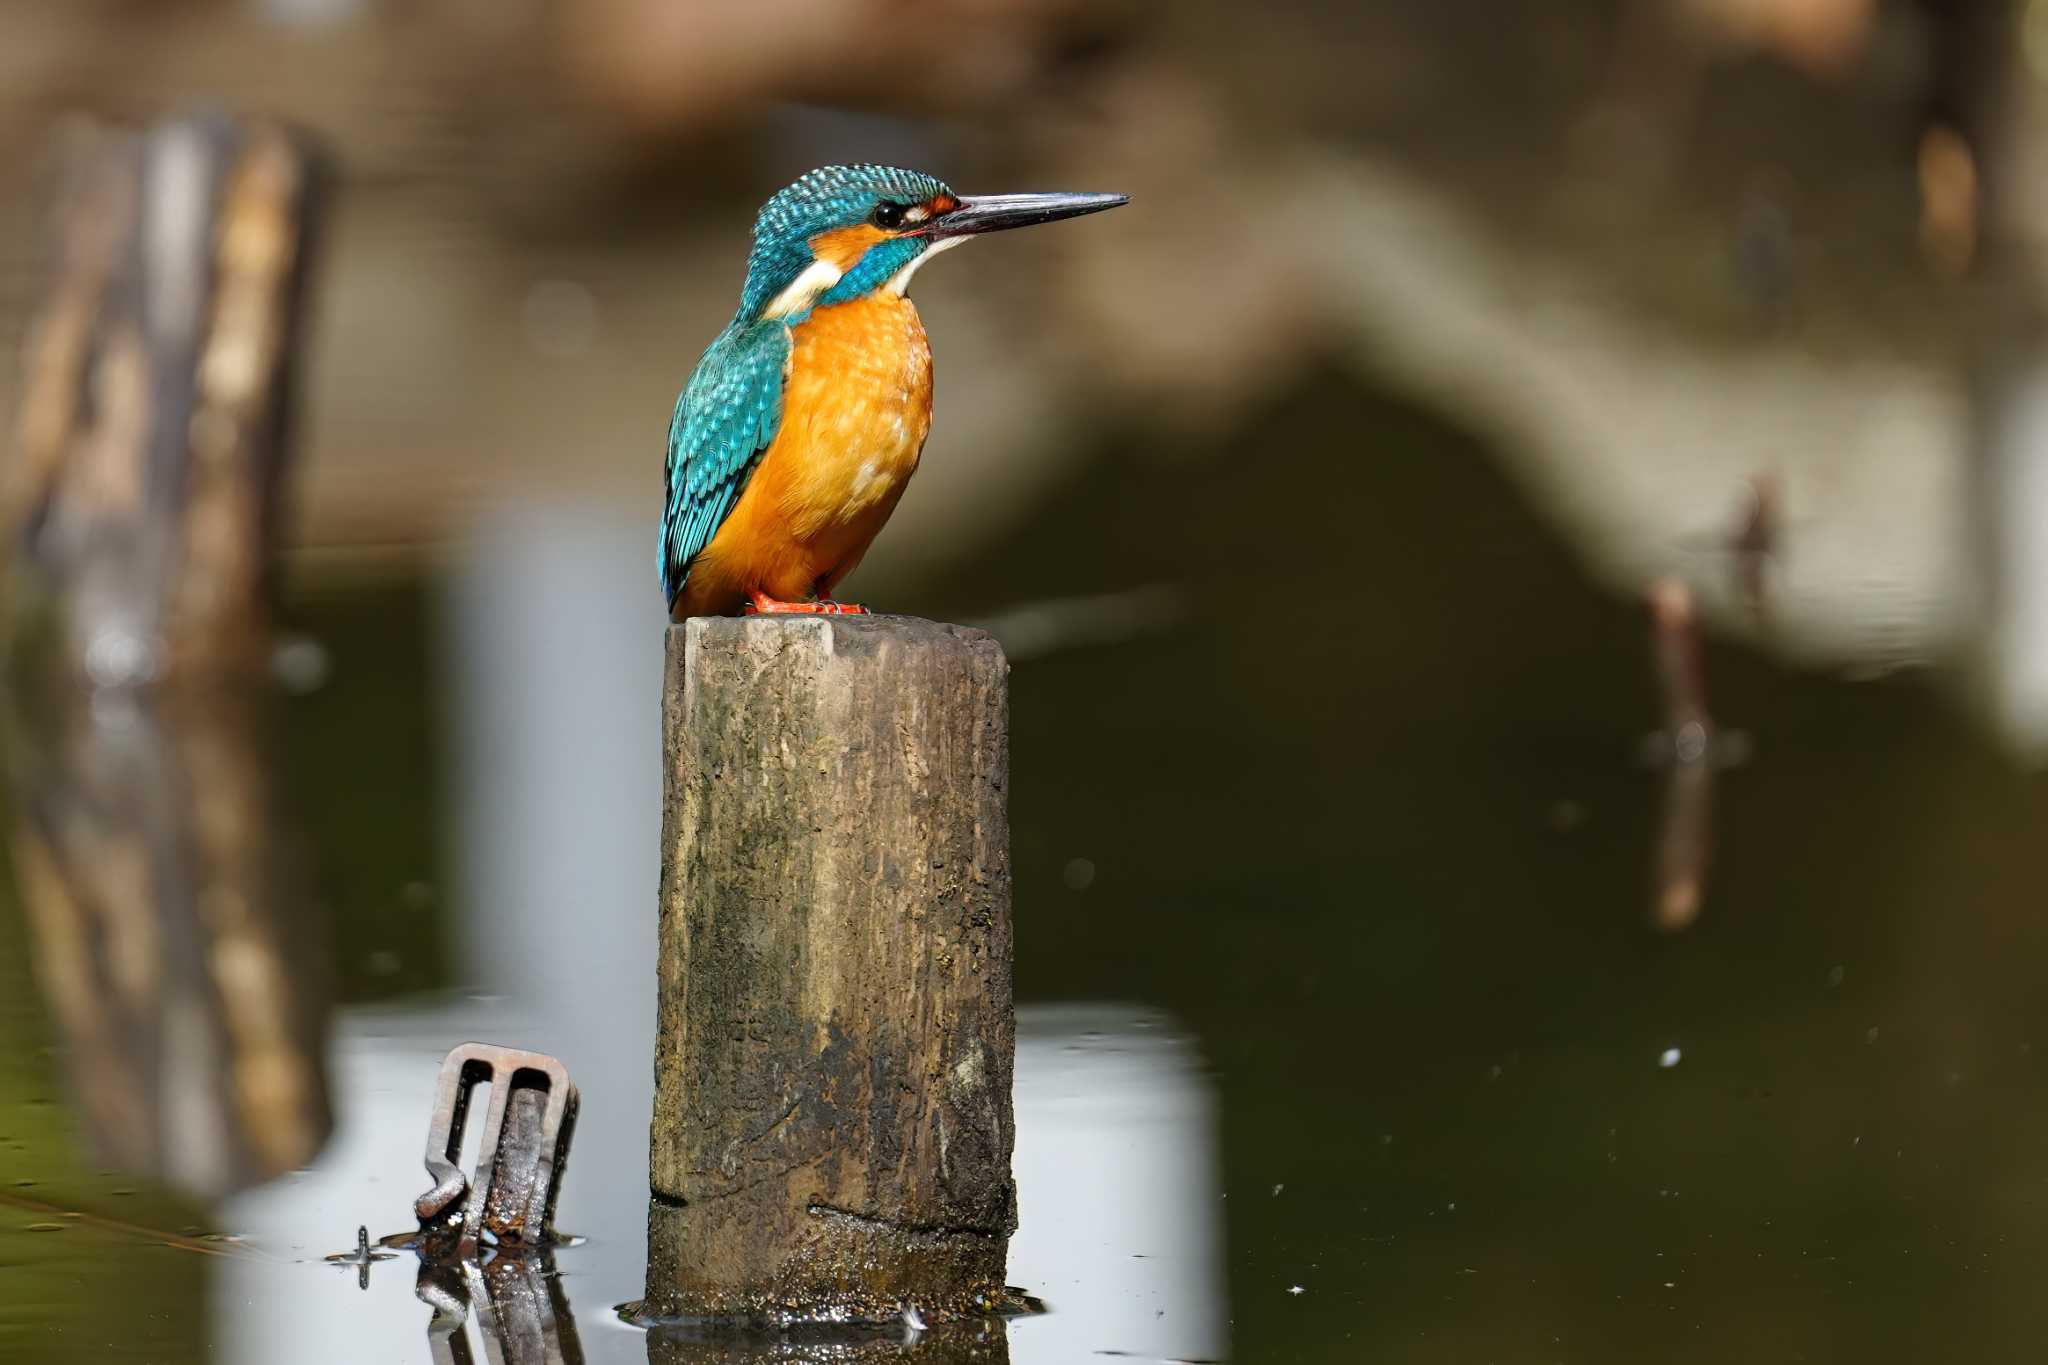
{"type": "Point", "coordinates": [855, 411]}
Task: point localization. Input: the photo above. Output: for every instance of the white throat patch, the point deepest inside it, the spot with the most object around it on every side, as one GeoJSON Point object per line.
{"type": "Point", "coordinates": [803, 291]}
{"type": "Point", "coordinates": [899, 283]}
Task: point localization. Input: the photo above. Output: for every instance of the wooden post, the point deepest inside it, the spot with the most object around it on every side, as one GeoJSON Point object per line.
{"type": "Point", "coordinates": [832, 1123]}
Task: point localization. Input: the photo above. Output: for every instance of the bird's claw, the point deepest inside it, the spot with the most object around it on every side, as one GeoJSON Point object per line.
{"type": "Point", "coordinates": [761, 604]}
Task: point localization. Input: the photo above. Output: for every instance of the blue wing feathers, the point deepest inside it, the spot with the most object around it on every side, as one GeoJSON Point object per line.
{"type": "Point", "coordinates": [726, 417]}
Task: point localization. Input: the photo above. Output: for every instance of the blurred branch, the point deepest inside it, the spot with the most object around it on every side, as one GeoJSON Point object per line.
{"type": "Point", "coordinates": [1685, 841]}
{"type": "Point", "coordinates": [138, 1231]}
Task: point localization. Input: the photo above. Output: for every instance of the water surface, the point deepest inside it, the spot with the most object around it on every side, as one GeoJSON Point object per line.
{"type": "Point", "coordinates": [1348, 1033]}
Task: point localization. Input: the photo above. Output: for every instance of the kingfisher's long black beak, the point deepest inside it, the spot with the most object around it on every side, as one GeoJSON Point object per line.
{"type": "Point", "coordinates": [994, 212]}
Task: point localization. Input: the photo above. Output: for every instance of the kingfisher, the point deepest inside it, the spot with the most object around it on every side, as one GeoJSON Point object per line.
{"type": "Point", "coordinates": [801, 426]}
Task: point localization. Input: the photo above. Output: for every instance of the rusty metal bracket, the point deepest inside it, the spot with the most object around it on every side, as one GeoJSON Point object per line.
{"type": "Point", "coordinates": [510, 1198]}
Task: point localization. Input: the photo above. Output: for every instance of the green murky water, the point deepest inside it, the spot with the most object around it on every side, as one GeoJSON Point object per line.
{"type": "Point", "coordinates": [1361, 831]}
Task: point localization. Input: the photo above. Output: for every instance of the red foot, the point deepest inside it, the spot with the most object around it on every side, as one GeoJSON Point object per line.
{"type": "Point", "coordinates": [761, 604]}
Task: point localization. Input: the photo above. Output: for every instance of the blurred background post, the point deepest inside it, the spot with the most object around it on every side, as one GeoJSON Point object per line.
{"type": "Point", "coordinates": [1579, 243]}
{"type": "Point", "coordinates": [151, 442]}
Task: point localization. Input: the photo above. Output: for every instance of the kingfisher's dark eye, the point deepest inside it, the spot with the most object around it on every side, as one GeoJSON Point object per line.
{"type": "Point", "coordinates": [887, 215]}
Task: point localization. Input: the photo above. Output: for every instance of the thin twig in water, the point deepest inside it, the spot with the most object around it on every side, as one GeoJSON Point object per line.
{"type": "Point", "coordinates": [139, 1231]}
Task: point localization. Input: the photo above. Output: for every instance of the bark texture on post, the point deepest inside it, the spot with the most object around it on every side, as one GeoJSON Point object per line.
{"type": "Point", "coordinates": [832, 1121]}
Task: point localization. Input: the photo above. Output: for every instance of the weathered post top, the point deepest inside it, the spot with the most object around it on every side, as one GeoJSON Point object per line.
{"type": "Point", "coordinates": [832, 1123]}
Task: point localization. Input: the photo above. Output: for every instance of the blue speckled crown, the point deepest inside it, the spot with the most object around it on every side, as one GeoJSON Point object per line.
{"type": "Point", "coordinates": [829, 197]}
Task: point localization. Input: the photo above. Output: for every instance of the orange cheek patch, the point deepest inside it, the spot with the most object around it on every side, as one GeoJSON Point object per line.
{"type": "Point", "coordinates": [844, 247]}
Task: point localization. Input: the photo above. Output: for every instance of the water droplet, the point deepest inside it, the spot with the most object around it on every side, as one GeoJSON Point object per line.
{"type": "Point", "coordinates": [1690, 743]}
{"type": "Point", "coordinates": [301, 665]}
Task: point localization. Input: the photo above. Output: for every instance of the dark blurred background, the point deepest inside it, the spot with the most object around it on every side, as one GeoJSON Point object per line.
{"type": "Point", "coordinates": [1646, 253]}
{"type": "Point", "coordinates": [1525, 554]}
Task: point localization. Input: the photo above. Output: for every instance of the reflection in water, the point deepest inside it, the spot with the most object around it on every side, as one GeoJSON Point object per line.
{"type": "Point", "coordinates": [518, 1309]}
{"type": "Point", "coordinates": [1685, 841]}
{"type": "Point", "coordinates": [1119, 1188]}
{"type": "Point", "coordinates": [982, 1341]}
{"type": "Point", "coordinates": [554, 665]}
{"type": "Point", "coordinates": [1116, 1176]}
{"type": "Point", "coordinates": [1333, 847]}
{"type": "Point", "coordinates": [166, 945]}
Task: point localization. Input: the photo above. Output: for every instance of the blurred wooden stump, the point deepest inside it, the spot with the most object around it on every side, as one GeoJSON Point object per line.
{"type": "Point", "coordinates": [140, 508]}
{"type": "Point", "coordinates": [141, 501]}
